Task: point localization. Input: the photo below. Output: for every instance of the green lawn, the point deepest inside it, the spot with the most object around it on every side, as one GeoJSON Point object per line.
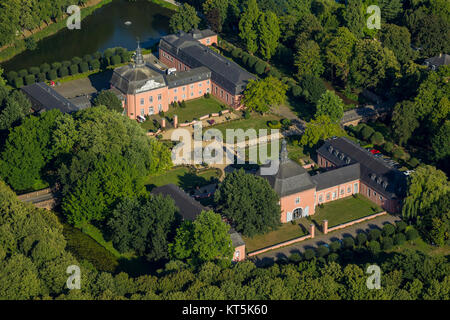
{"type": "Point", "coordinates": [345, 210]}
{"type": "Point", "coordinates": [256, 122]}
{"type": "Point", "coordinates": [183, 178]}
{"type": "Point", "coordinates": [295, 152]}
{"type": "Point", "coordinates": [287, 231]}
{"type": "Point", "coordinates": [195, 109]}
{"type": "Point", "coordinates": [422, 246]}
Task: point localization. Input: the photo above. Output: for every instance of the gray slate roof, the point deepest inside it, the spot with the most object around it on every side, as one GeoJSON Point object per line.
{"type": "Point", "coordinates": [181, 78]}
{"type": "Point", "coordinates": [130, 78]}
{"type": "Point", "coordinates": [225, 72]}
{"type": "Point", "coordinates": [44, 97]}
{"type": "Point", "coordinates": [374, 171]}
{"type": "Point", "coordinates": [188, 207]}
{"type": "Point", "coordinates": [336, 176]}
{"type": "Point", "coordinates": [440, 60]}
{"type": "Point", "coordinates": [290, 178]}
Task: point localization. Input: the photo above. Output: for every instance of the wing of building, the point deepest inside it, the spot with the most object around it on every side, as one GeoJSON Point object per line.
{"type": "Point", "coordinates": [350, 170]}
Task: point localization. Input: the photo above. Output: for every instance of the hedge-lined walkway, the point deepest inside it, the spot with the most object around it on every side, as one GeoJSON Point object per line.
{"type": "Point", "coordinates": [320, 238]}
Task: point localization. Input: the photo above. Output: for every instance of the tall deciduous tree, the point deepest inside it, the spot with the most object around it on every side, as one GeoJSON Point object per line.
{"type": "Point", "coordinates": [261, 95]}
{"type": "Point", "coordinates": [397, 39]}
{"type": "Point", "coordinates": [269, 34]}
{"type": "Point", "coordinates": [109, 99]}
{"type": "Point", "coordinates": [426, 185]}
{"type": "Point", "coordinates": [354, 17]}
{"type": "Point", "coordinates": [331, 105]}
{"type": "Point", "coordinates": [320, 129]}
{"type": "Point", "coordinates": [144, 225]}
{"type": "Point", "coordinates": [248, 26]}
{"type": "Point", "coordinates": [250, 202]}
{"type": "Point", "coordinates": [308, 59]}
{"type": "Point", "coordinates": [184, 19]}
{"type": "Point", "coordinates": [205, 239]}
{"type": "Point", "coordinates": [404, 121]}
{"type": "Point", "coordinates": [339, 52]}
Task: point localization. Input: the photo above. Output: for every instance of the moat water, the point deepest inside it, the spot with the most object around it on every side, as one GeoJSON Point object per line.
{"type": "Point", "coordinates": [105, 28]}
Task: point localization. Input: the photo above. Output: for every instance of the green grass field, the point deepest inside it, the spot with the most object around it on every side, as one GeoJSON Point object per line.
{"type": "Point", "coordinates": [195, 109]}
{"type": "Point", "coordinates": [345, 210]}
{"type": "Point", "coordinates": [287, 231]}
{"type": "Point", "coordinates": [183, 178]}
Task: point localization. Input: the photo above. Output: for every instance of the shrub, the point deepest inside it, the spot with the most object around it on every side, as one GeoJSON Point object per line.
{"type": "Point", "coordinates": [115, 60]}
{"type": "Point", "coordinates": [335, 246]}
{"type": "Point", "coordinates": [23, 73]}
{"type": "Point", "coordinates": [398, 153]}
{"type": "Point", "coordinates": [260, 67]}
{"type": "Point", "coordinates": [274, 73]}
{"type": "Point", "coordinates": [412, 234]}
{"type": "Point", "coordinates": [361, 238]}
{"type": "Point", "coordinates": [108, 53]}
{"type": "Point", "coordinates": [63, 72]}
{"type": "Point", "coordinates": [401, 226]}
{"type": "Point", "coordinates": [52, 75]}
{"type": "Point", "coordinates": [66, 64]}
{"type": "Point", "coordinates": [30, 79]}
{"type": "Point", "coordinates": [388, 230]}
{"type": "Point", "coordinates": [87, 58]}
{"type": "Point", "coordinates": [374, 234]}
{"type": "Point", "coordinates": [322, 251]}
{"type": "Point", "coordinates": [332, 257]}
{"type": "Point", "coordinates": [31, 43]}
{"type": "Point", "coordinates": [312, 88]}
{"type": "Point", "coordinates": [348, 242]}
{"type": "Point", "coordinates": [41, 77]}
{"type": "Point", "coordinates": [388, 243]}
{"type": "Point", "coordinates": [377, 138]}
{"type": "Point", "coordinates": [366, 132]}
{"type": "Point", "coordinates": [236, 53]}
{"type": "Point", "coordinates": [94, 64]}
{"type": "Point", "coordinates": [18, 82]}
{"type": "Point", "coordinates": [399, 239]}
{"type": "Point", "coordinates": [74, 69]}
{"type": "Point", "coordinates": [296, 91]}
{"type": "Point", "coordinates": [76, 60]}
{"type": "Point", "coordinates": [56, 65]}
{"type": "Point", "coordinates": [413, 162]}
{"type": "Point", "coordinates": [374, 247]}
{"type": "Point", "coordinates": [274, 124]}
{"type": "Point", "coordinates": [252, 61]}
{"type": "Point", "coordinates": [285, 122]}
{"type": "Point", "coordinates": [11, 76]}
{"type": "Point", "coordinates": [246, 114]}
{"type": "Point", "coordinates": [295, 257]}
{"type": "Point", "coordinates": [97, 55]}
{"type": "Point", "coordinates": [245, 57]}
{"type": "Point", "coordinates": [84, 67]}
{"type": "Point", "coordinates": [34, 70]}
{"type": "Point", "coordinates": [45, 67]}
{"type": "Point", "coordinates": [309, 254]}
{"type": "Point", "coordinates": [388, 146]}
{"type": "Point", "coordinates": [347, 255]}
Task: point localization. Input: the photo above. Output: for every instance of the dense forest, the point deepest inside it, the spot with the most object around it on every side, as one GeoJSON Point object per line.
{"type": "Point", "coordinates": [34, 259]}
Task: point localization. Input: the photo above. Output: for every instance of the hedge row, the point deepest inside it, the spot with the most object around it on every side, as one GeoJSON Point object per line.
{"type": "Point", "coordinates": [65, 68]}
{"type": "Point", "coordinates": [374, 241]}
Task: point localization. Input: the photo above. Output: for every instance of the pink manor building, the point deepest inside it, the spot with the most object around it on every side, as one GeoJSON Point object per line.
{"type": "Point", "coordinates": [351, 170]}
{"type": "Point", "coordinates": [186, 69]}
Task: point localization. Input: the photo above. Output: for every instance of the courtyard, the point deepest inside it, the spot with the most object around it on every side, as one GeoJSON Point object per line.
{"type": "Point", "coordinates": [344, 210]}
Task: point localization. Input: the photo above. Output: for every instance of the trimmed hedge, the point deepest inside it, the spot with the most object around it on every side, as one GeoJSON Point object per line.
{"type": "Point", "coordinates": [374, 247]}
{"type": "Point", "coordinates": [322, 251]}
{"type": "Point", "coordinates": [295, 257]}
{"type": "Point", "coordinates": [74, 69]}
{"type": "Point", "coordinates": [84, 67]}
{"type": "Point", "coordinates": [45, 67]}
{"type": "Point", "coordinates": [18, 82]}
{"type": "Point", "coordinates": [361, 238]}
{"type": "Point", "coordinates": [115, 60]}
{"type": "Point", "coordinates": [23, 73]}
{"type": "Point", "coordinates": [63, 72]}
{"type": "Point", "coordinates": [388, 243]}
{"type": "Point", "coordinates": [399, 239]}
{"type": "Point", "coordinates": [412, 234]}
{"type": "Point", "coordinates": [388, 230]}
{"type": "Point", "coordinates": [374, 234]}
{"type": "Point", "coordinates": [309, 254]}
{"type": "Point", "coordinates": [335, 246]}
{"type": "Point", "coordinates": [260, 67]}
{"type": "Point", "coordinates": [401, 226]}
{"type": "Point", "coordinates": [348, 242]}
{"type": "Point", "coordinates": [52, 75]}
{"type": "Point", "coordinates": [30, 79]}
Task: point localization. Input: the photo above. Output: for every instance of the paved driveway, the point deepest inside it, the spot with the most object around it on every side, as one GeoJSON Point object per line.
{"type": "Point", "coordinates": [86, 86]}
{"type": "Point", "coordinates": [320, 238]}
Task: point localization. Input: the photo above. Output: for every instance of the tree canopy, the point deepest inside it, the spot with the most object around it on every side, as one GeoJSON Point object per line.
{"type": "Point", "coordinates": [250, 202]}
{"type": "Point", "coordinates": [261, 95]}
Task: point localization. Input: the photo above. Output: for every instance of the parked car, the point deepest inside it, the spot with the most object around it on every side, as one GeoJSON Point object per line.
{"type": "Point", "coordinates": [140, 119]}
